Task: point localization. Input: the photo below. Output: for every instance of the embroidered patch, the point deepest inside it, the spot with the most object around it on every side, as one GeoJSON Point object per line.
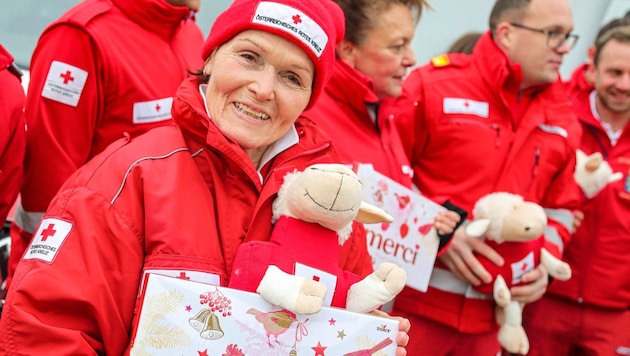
{"type": "Point", "coordinates": [329, 280]}
{"type": "Point", "coordinates": [47, 240]}
{"type": "Point", "coordinates": [152, 111]}
{"type": "Point", "coordinates": [64, 83]}
{"type": "Point", "coordinates": [466, 106]}
{"type": "Point", "coordinates": [441, 61]}
{"type": "Point", "coordinates": [521, 267]}
{"type": "Point", "coordinates": [294, 22]}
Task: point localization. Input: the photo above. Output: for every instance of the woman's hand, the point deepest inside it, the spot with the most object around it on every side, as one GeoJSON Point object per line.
{"type": "Point", "coordinates": [578, 216]}
{"type": "Point", "coordinates": [445, 221]}
{"type": "Point", "coordinates": [535, 286]}
{"type": "Point", "coordinates": [403, 329]}
{"type": "Point", "coordinates": [461, 260]}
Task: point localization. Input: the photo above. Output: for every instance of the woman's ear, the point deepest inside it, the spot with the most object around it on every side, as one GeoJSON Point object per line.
{"type": "Point", "coordinates": [346, 52]}
{"type": "Point", "coordinates": [207, 67]}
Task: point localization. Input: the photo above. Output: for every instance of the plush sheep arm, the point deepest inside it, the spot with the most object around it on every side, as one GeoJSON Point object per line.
{"type": "Point", "coordinates": [557, 268]}
{"type": "Point", "coordinates": [294, 293]}
{"type": "Point", "coordinates": [593, 173]}
{"type": "Point", "coordinates": [376, 289]}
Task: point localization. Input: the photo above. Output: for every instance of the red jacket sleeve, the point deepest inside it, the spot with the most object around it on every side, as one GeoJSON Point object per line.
{"type": "Point", "coordinates": [59, 135]}
{"type": "Point", "coordinates": [82, 301]}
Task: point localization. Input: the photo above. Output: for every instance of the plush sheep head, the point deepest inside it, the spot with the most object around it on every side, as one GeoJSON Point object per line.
{"type": "Point", "coordinates": [507, 217]}
{"type": "Point", "coordinates": [329, 195]}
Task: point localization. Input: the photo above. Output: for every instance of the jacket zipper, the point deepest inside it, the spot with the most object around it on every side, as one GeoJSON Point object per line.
{"type": "Point", "coordinates": [494, 127]}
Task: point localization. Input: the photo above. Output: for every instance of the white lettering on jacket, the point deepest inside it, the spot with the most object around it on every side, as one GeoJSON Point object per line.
{"type": "Point", "coordinates": [152, 111]}
{"type": "Point", "coordinates": [64, 83]}
{"type": "Point", "coordinates": [466, 106]}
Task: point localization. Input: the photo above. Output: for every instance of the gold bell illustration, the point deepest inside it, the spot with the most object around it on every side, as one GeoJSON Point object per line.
{"type": "Point", "coordinates": [198, 322]}
{"type": "Point", "coordinates": [212, 329]}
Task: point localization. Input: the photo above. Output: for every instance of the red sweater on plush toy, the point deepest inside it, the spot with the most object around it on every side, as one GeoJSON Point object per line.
{"type": "Point", "coordinates": [314, 215]}
{"type": "Point", "coordinates": [514, 228]}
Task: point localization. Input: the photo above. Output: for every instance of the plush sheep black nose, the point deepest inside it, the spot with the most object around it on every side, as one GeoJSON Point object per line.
{"type": "Point", "coordinates": [527, 228]}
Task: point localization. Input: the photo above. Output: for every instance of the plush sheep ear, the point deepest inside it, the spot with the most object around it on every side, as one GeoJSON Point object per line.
{"type": "Point", "coordinates": [478, 227]}
{"type": "Point", "coordinates": [615, 177]}
{"type": "Point", "coordinates": [370, 214]}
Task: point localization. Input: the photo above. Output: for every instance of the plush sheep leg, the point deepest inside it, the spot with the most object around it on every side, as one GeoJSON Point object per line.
{"type": "Point", "coordinates": [511, 334]}
{"type": "Point", "coordinates": [557, 268]}
{"type": "Point", "coordinates": [501, 292]}
{"type": "Point", "coordinates": [297, 294]}
{"type": "Point", "coordinates": [378, 288]}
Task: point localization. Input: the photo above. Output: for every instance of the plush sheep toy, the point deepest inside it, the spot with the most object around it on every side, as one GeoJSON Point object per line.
{"type": "Point", "coordinates": [593, 173]}
{"type": "Point", "coordinates": [313, 215]}
{"type": "Point", "coordinates": [514, 228]}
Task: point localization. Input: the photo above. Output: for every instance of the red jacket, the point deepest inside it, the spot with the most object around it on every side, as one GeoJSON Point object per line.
{"type": "Point", "coordinates": [12, 133]}
{"type": "Point", "coordinates": [457, 118]}
{"type": "Point", "coordinates": [599, 250]}
{"type": "Point", "coordinates": [104, 68]}
{"type": "Point", "coordinates": [180, 199]}
{"type": "Point", "coordinates": [342, 110]}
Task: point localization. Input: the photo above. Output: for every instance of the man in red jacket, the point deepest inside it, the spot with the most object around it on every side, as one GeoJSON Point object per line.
{"type": "Point", "coordinates": [104, 68]}
{"type": "Point", "coordinates": [495, 120]}
{"type": "Point", "coordinates": [12, 134]}
{"type": "Point", "coordinates": [590, 313]}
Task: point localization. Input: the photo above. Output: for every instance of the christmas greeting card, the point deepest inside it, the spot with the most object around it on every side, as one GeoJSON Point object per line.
{"type": "Point", "coordinates": [181, 317]}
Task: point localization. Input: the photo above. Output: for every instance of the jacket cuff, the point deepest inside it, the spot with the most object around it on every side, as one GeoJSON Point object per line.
{"type": "Point", "coordinates": [445, 239]}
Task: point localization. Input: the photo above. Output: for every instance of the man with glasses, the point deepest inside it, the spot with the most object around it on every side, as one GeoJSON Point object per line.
{"type": "Point", "coordinates": [496, 120]}
{"type": "Point", "coordinates": [590, 313]}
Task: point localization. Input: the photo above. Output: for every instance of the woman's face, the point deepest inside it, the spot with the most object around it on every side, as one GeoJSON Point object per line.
{"type": "Point", "coordinates": [259, 84]}
{"type": "Point", "coordinates": [385, 54]}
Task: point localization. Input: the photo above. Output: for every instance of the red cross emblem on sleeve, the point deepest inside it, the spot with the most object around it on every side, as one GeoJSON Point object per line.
{"type": "Point", "coordinates": [48, 239]}
{"type": "Point", "coordinates": [50, 231]}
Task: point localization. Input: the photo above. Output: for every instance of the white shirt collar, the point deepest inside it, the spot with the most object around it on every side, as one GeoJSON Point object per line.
{"type": "Point", "coordinates": [612, 134]}
{"type": "Point", "coordinates": [287, 140]}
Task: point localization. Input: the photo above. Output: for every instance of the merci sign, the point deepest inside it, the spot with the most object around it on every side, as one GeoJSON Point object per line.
{"type": "Point", "coordinates": [410, 241]}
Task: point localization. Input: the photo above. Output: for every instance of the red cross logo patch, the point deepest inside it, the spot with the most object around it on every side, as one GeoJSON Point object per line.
{"type": "Point", "coordinates": [48, 238]}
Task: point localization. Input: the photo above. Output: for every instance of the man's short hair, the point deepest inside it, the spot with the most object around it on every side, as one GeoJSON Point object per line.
{"type": "Point", "coordinates": [503, 9]}
{"type": "Point", "coordinates": [620, 33]}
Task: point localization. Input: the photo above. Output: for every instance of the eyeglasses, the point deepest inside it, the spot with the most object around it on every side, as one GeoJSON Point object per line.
{"type": "Point", "coordinates": [555, 39]}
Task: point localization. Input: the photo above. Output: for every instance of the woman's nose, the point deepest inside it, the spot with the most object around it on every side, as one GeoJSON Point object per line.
{"type": "Point", "coordinates": [264, 84]}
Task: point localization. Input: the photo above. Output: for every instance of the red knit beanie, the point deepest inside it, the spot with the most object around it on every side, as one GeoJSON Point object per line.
{"type": "Point", "coordinates": [316, 26]}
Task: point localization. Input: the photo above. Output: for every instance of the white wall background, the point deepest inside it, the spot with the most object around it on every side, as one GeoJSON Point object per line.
{"type": "Point", "coordinates": [451, 18]}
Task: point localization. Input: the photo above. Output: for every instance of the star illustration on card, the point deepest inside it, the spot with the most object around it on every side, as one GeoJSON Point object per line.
{"type": "Point", "coordinates": [203, 353]}
{"type": "Point", "coordinates": [332, 321]}
{"type": "Point", "coordinates": [341, 334]}
{"type": "Point", "coordinates": [188, 308]}
{"type": "Point", "coordinates": [319, 349]}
